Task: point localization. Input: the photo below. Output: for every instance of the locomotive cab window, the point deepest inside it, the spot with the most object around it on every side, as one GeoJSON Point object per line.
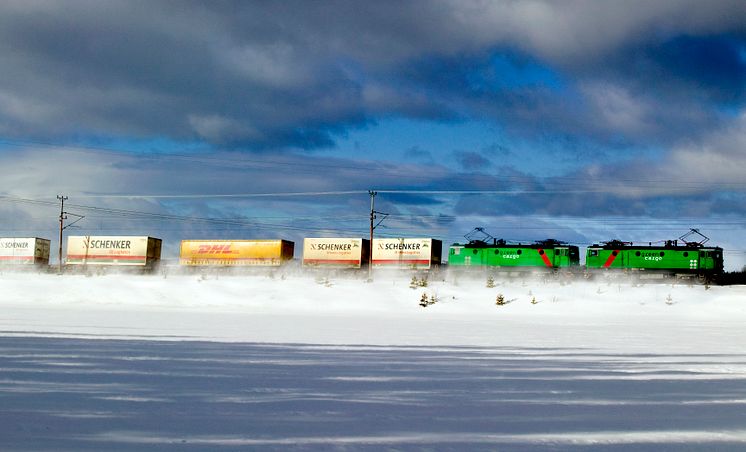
{"type": "Point", "coordinates": [594, 253]}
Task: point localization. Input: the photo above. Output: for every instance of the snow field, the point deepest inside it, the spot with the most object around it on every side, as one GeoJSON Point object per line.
{"type": "Point", "coordinates": [306, 362]}
{"type": "Point", "coordinates": [333, 310]}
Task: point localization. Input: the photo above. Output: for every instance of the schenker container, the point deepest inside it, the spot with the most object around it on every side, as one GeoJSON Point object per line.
{"type": "Point", "coordinates": [24, 251]}
{"type": "Point", "coordinates": [417, 253]}
{"type": "Point", "coordinates": [335, 252]}
{"type": "Point", "coordinates": [113, 250]}
{"type": "Point", "coordinates": [236, 253]}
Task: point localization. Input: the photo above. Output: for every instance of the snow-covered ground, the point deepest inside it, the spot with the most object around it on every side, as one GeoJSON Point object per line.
{"type": "Point", "coordinates": [124, 362]}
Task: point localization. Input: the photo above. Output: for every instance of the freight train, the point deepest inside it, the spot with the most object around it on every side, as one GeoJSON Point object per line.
{"type": "Point", "coordinates": [681, 258]}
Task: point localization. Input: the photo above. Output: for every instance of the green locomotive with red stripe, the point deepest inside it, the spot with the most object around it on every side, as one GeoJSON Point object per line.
{"type": "Point", "coordinates": [685, 259]}
{"type": "Point", "coordinates": [548, 254]}
{"type": "Point", "coordinates": [672, 257]}
{"type": "Point", "coordinates": [486, 251]}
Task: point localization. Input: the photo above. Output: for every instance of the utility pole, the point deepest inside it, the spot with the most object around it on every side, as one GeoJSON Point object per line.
{"type": "Point", "coordinates": [372, 218]}
{"type": "Point", "coordinates": [62, 219]}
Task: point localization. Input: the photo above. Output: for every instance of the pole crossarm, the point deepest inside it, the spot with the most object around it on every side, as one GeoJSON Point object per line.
{"type": "Point", "coordinates": [385, 215]}
{"type": "Point", "coordinates": [372, 194]}
{"type": "Point", "coordinates": [80, 217]}
{"type": "Point", "coordinates": [63, 217]}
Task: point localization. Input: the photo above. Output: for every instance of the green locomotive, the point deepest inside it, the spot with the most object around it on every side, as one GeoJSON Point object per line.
{"type": "Point", "coordinates": [686, 258]}
{"type": "Point", "coordinates": [547, 254]}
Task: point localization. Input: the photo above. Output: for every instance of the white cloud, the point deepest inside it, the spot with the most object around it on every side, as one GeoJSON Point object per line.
{"type": "Point", "coordinates": [277, 65]}
{"type": "Point", "coordinates": [719, 158]}
{"type": "Point", "coordinates": [570, 31]}
{"type": "Point", "coordinates": [26, 110]}
{"type": "Point", "coordinates": [619, 109]}
{"type": "Point", "coordinates": [221, 129]}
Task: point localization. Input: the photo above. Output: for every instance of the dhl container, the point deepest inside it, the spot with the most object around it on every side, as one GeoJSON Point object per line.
{"type": "Point", "coordinates": [335, 252]}
{"type": "Point", "coordinates": [419, 253]}
{"type": "Point", "coordinates": [24, 251]}
{"type": "Point", "coordinates": [236, 253]}
{"type": "Point", "coordinates": [113, 250]}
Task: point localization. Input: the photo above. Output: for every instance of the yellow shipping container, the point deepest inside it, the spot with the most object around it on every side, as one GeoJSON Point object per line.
{"type": "Point", "coordinates": [235, 253]}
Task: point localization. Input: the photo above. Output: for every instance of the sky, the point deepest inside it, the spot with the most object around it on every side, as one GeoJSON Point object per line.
{"type": "Point", "coordinates": [579, 120]}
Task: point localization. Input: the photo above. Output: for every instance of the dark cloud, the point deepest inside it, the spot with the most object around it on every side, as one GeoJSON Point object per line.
{"type": "Point", "coordinates": [418, 154]}
{"type": "Point", "coordinates": [643, 101]}
{"type": "Point", "coordinates": [497, 150]}
{"type": "Point", "coordinates": [472, 161]}
{"type": "Point", "coordinates": [297, 74]}
{"type": "Point", "coordinates": [713, 67]}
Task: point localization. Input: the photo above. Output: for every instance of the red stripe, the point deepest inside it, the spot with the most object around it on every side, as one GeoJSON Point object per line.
{"type": "Point", "coordinates": [227, 258]}
{"type": "Point", "coordinates": [611, 258]}
{"type": "Point", "coordinates": [401, 261]}
{"type": "Point", "coordinates": [332, 261]}
{"type": "Point", "coordinates": [545, 258]}
{"type": "Point", "coordinates": [232, 262]}
{"type": "Point", "coordinates": [104, 256]}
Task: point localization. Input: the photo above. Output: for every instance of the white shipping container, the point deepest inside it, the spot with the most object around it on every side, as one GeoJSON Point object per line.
{"type": "Point", "coordinates": [335, 252]}
{"type": "Point", "coordinates": [112, 250]}
{"type": "Point", "coordinates": [24, 251]}
{"type": "Point", "coordinates": [420, 253]}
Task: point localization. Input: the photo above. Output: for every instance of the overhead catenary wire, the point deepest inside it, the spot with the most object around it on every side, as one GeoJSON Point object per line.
{"type": "Point", "coordinates": [382, 168]}
{"type": "Point", "coordinates": [606, 221]}
{"type": "Point", "coordinates": [133, 196]}
{"type": "Point", "coordinates": [223, 195]}
{"type": "Point", "coordinates": [404, 222]}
